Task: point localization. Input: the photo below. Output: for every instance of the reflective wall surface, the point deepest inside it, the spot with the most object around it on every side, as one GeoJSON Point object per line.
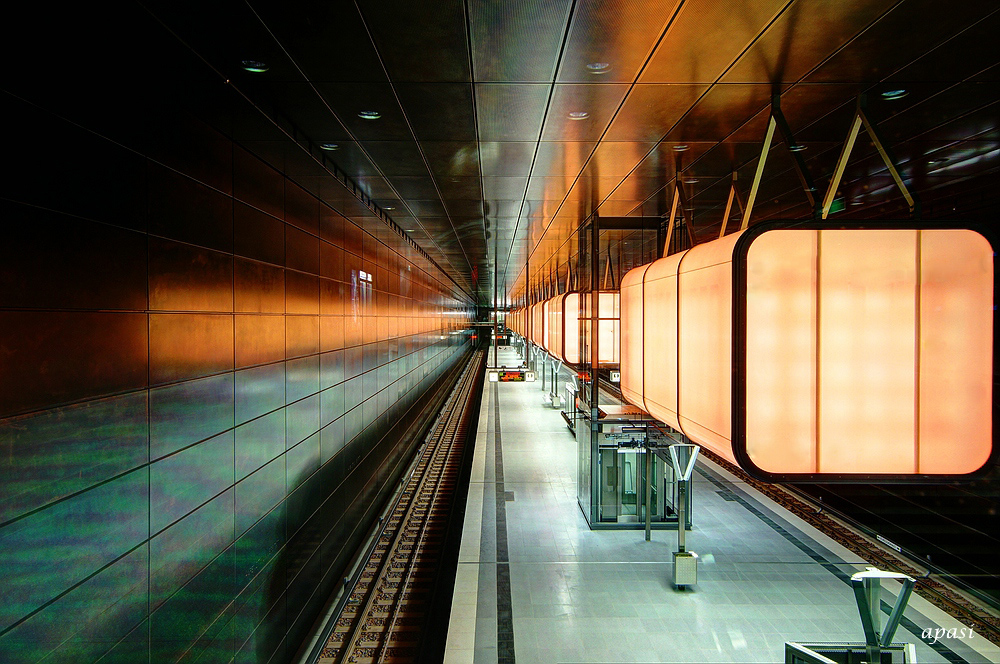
{"type": "Point", "coordinates": [210, 364]}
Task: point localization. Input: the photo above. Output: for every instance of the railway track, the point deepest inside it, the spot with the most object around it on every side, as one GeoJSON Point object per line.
{"type": "Point", "coordinates": [388, 607]}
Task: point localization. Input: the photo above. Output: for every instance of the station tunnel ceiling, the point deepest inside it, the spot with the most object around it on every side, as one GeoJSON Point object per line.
{"type": "Point", "coordinates": [489, 131]}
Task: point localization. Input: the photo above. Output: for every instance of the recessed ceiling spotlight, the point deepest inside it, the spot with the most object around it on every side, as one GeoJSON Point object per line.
{"type": "Point", "coordinates": [680, 147]}
{"type": "Point", "coordinates": [898, 93]}
{"type": "Point", "coordinates": [369, 115]}
{"type": "Point", "coordinates": [254, 66]}
{"type": "Point", "coordinates": [690, 180]}
{"type": "Point", "coordinates": [937, 160]}
{"type": "Point", "coordinates": [797, 147]}
{"type": "Point", "coordinates": [389, 207]}
{"type": "Point", "coordinates": [857, 202]}
{"type": "Point", "coordinates": [598, 67]}
{"type": "Point", "coordinates": [579, 115]}
{"type": "Point", "coordinates": [329, 146]}
{"type": "Point", "coordinates": [411, 230]}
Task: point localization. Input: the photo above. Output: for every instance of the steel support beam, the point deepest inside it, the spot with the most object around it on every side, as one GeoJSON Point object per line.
{"type": "Point", "coordinates": [729, 207]}
{"type": "Point", "coordinates": [760, 171]}
{"type": "Point", "coordinates": [670, 220]}
{"type": "Point", "coordinates": [800, 165]}
{"type": "Point", "coordinates": [838, 170]}
{"type": "Point", "coordinates": [861, 120]}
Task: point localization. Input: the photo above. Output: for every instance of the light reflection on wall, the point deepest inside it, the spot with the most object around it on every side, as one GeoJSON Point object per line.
{"type": "Point", "coordinates": [198, 419]}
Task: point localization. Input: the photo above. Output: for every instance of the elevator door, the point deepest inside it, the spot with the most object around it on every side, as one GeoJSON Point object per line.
{"type": "Point", "coordinates": [623, 486]}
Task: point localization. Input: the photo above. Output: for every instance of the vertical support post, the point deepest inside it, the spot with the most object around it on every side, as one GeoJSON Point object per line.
{"type": "Point", "coordinates": [595, 239]}
{"type": "Point", "coordinates": [649, 486]}
{"type": "Point", "coordinates": [681, 514]}
{"type": "Point", "coordinates": [760, 171]}
{"type": "Point", "coordinates": [873, 589]}
{"type": "Point", "coordinates": [496, 312]}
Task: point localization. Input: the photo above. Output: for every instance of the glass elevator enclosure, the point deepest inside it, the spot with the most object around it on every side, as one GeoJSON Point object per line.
{"type": "Point", "coordinates": [613, 473]}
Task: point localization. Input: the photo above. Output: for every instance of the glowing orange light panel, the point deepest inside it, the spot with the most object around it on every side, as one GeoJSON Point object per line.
{"type": "Point", "coordinates": [850, 351]}
{"type": "Point", "coordinates": [556, 326]}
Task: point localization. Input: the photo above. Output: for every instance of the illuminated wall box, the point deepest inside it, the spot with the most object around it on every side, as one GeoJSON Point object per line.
{"type": "Point", "coordinates": [554, 325]}
{"type": "Point", "coordinates": [608, 327]}
{"type": "Point", "coordinates": [806, 351]}
{"type": "Point", "coordinates": [537, 327]}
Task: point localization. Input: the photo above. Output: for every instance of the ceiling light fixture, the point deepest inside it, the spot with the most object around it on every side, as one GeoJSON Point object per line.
{"type": "Point", "coordinates": [329, 146]}
{"type": "Point", "coordinates": [389, 207]}
{"type": "Point", "coordinates": [936, 160]}
{"type": "Point", "coordinates": [690, 180]}
{"type": "Point", "coordinates": [797, 147]}
{"type": "Point", "coordinates": [898, 93]}
{"type": "Point", "coordinates": [579, 115]}
{"type": "Point", "coordinates": [369, 115]}
{"type": "Point", "coordinates": [254, 66]}
{"type": "Point", "coordinates": [598, 67]}
{"type": "Point", "coordinates": [680, 147]}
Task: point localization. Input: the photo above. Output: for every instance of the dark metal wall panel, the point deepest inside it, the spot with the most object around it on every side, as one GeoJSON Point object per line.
{"type": "Point", "coordinates": [181, 208]}
{"type": "Point", "coordinates": [174, 408]}
{"type": "Point", "coordinates": [184, 346]}
{"type": "Point", "coordinates": [183, 277]}
{"type": "Point", "coordinates": [79, 264]}
{"type": "Point", "coordinates": [65, 356]}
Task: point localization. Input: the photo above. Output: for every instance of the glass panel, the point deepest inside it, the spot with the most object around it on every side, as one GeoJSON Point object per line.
{"type": "Point", "coordinates": [956, 350]}
{"type": "Point", "coordinates": [704, 319]}
{"type": "Point", "coordinates": [632, 343]}
{"type": "Point", "coordinates": [867, 309]}
{"type": "Point", "coordinates": [781, 351]}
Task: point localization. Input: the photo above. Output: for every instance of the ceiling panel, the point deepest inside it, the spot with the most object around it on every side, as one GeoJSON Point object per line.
{"type": "Point", "coordinates": [350, 100]}
{"type": "Point", "coordinates": [437, 51]}
{"type": "Point", "coordinates": [802, 37]}
{"type": "Point", "coordinates": [396, 157]}
{"type": "Point", "coordinates": [508, 159]}
{"type": "Point", "coordinates": [523, 118]}
{"type": "Point", "coordinates": [650, 111]}
{"type": "Point", "coordinates": [509, 112]}
{"type": "Point", "coordinates": [516, 41]}
{"type": "Point", "coordinates": [610, 41]}
{"type": "Point", "coordinates": [562, 158]}
{"type": "Point", "coordinates": [706, 37]}
{"type": "Point", "coordinates": [439, 111]}
{"type": "Point", "coordinates": [877, 54]}
{"type": "Point", "coordinates": [580, 112]}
